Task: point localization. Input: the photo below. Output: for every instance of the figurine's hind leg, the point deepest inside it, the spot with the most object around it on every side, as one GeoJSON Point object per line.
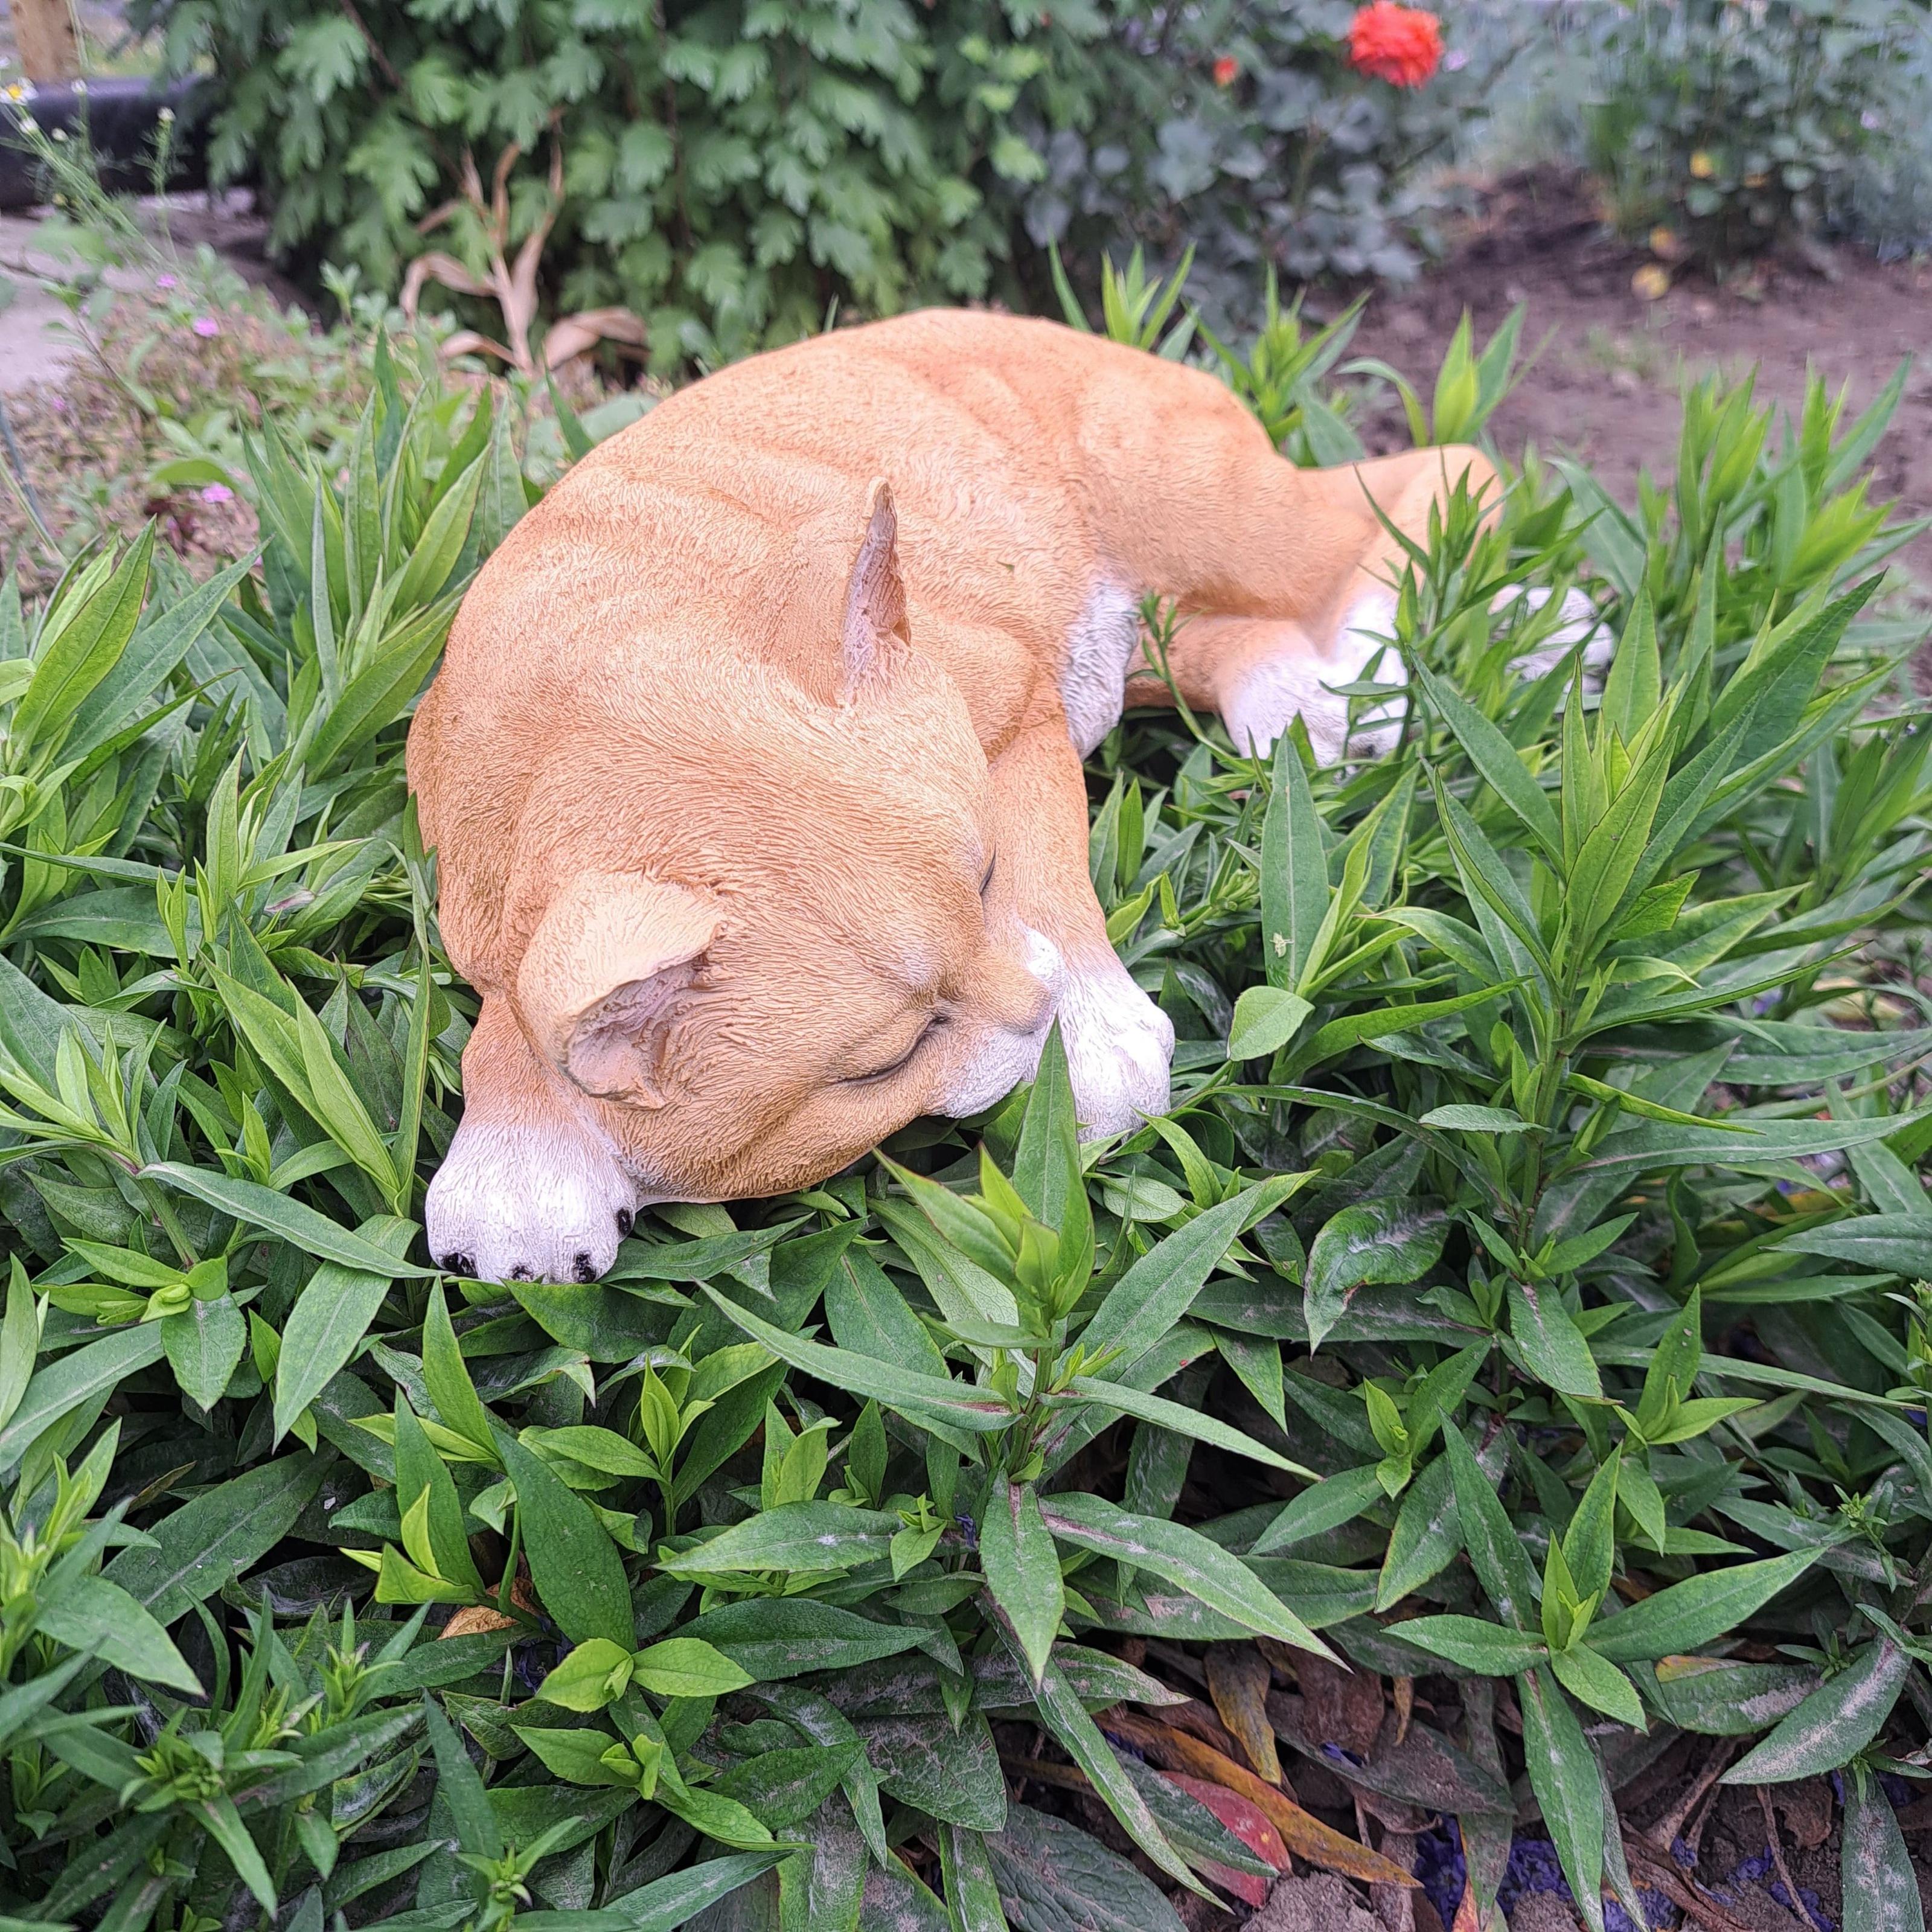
{"type": "Point", "coordinates": [1286, 577]}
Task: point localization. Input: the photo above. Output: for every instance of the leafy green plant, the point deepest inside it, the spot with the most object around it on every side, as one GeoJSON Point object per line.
{"type": "Point", "coordinates": [1244, 133]}
{"type": "Point", "coordinates": [1739, 127]}
{"type": "Point", "coordinates": [733, 172]}
{"type": "Point", "coordinates": [1521, 1306]}
{"type": "Point", "coordinates": [182, 363]}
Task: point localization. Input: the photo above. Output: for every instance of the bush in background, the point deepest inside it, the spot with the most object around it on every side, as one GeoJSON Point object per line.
{"type": "Point", "coordinates": [1739, 126]}
{"type": "Point", "coordinates": [732, 169]}
{"type": "Point", "coordinates": [1250, 137]}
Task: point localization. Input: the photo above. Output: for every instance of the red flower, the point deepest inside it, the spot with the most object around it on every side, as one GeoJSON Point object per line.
{"type": "Point", "coordinates": [1225, 69]}
{"type": "Point", "coordinates": [1401, 45]}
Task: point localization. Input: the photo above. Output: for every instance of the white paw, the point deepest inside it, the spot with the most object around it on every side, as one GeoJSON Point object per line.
{"type": "Point", "coordinates": [1119, 1044]}
{"type": "Point", "coordinates": [1579, 621]}
{"type": "Point", "coordinates": [1297, 683]}
{"type": "Point", "coordinates": [528, 1204]}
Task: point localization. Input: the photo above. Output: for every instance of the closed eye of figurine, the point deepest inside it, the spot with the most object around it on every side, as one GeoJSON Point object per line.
{"type": "Point", "coordinates": [899, 1065]}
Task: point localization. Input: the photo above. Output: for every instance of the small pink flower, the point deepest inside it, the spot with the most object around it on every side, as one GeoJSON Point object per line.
{"type": "Point", "coordinates": [59, 402]}
{"type": "Point", "coordinates": [164, 281]}
{"type": "Point", "coordinates": [218, 492]}
{"type": "Point", "coordinates": [205, 326]}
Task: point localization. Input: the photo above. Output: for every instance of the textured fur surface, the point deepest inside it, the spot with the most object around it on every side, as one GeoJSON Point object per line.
{"type": "Point", "coordinates": [753, 766]}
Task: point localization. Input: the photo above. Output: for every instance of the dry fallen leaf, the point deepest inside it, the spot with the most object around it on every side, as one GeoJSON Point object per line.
{"type": "Point", "coordinates": [1249, 1823]}
{"type": "Point", "coordinates": [1404, 1690]}
{"type": "Point", "coordinates": [1238, 1680]}
{"type": "Point", "coordinates": [474, 1619]}
{"type": "Point", "coordinates": [1304, 1833]}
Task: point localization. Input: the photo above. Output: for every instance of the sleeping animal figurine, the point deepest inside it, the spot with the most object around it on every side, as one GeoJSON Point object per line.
{"type": "Point", "coordinates": [753, 766]}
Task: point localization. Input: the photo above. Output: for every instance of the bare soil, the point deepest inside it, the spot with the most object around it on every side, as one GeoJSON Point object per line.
{"type": "Point", "coordinates": [1605, 386]}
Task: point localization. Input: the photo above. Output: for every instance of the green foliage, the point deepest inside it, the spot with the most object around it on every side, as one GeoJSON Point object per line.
{"type": "Point", "coordinates": [733, 170]}
{"type": "Point", "coordinates": [1526, 1286]}
{"type": "Point", "coordinates": [1739, 126]}
{"type": "Point", "coordinates": [181, 361]}
{"type": "Point", "coordinates": [1240, 131]}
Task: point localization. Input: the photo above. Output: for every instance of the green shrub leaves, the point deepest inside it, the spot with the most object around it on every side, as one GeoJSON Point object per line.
{"type": "Point", "coordinates": [1522, 1296]}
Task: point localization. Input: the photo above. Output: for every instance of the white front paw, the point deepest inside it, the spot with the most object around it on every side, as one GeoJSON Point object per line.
{"type": "Point", "coordinates": [528, 1204]}
{"type": "Point", "coordinates": [1118, 1044]}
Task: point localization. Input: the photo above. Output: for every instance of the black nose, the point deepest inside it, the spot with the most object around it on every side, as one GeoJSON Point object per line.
{"type": "Point", "coordinates": [626, 1221]}
{"type": "Point", "coordinates": [523, 1271]}
{"type": "Point", "coordinates": [580, 1268]}
{"type": "Point", "coordinates": [457, 1262]}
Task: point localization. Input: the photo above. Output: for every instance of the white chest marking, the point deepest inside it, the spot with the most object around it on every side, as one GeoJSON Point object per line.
{"type": "Point", "coordinates": [1094, 671]}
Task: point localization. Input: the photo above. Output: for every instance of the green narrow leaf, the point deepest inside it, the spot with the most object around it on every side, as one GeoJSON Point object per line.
{"type": "Point", "coordinates": [1388, 1241]}
{"type": "Point", "coordinates": [82, 651]}
{"type": "Point", "coordinates": [446, 1377]}
{"type": "Point", "coordinates": [1047, 1173]}
{"type": "Point", "coordinates": [1146, 1303]}
{"type": "Point", "coordinates": [1563, 1773]}
{"type": "Point", "coordinates": [218, 1536]}
{"type": "Point", "coordinates": [1880, 1893]}
{"type": "Point", "coordinates": [1266, 1018]}
{"type": "Point", "coordinates": [255, 1206]}
{"type": "Point", "coordinates": [1592, 1681]}
{"type": "Point", "coordinates": [1181, 1420]}
{"type": "Point", "coordinates": [1427, 1534]}
{"type": "Point", "coordinates": [1326, 1505]}
{"type": "Point", "coordinates": [19, 1341]}
{"type": "Point", "coordinates": [972, 1892]}
{"type": "Point", "coordinates": [1294, 870]}
{"type": "Point", "coordinates": [1633, 688]}
{"type": "Point", "coordinates": [1677, 1620]}
{"type": "Point", "coordinates": [66, 1383]}
{"type": "Point", "coordinates": [574, 1565]}
{"type": "Point", "coordinates": [1495, 1548]}
{"type": "Point", "coordinates": [1486, 1648]}
{"type": "Point", "coordinates": [1022, 1569]}
{"type": "Point", "coordinates": [1063, 1713]}
{"type": "Point", "coordinates": [420, 1472]}
{"type": "Point", "coordinates": [90, 1613]}
{"type": "Point", "coordinates": [461, 1789]}
{"type": "Point", "coordinates": [1496, 758]}
{"type": "Point", "coordinates": [664, 1905]}
{"type": "Point", "coordinates": [1832, 1725]}
{"type": "Point", "coordinates": [225, 1823]}
{"type": "Point", "coordinates": [330, 1317]}
{"type": "Point", "coordinates": [794, 1536]}
{"type": "Point", "coordinates": [957, 1405]}
{"type": "Point", "coordinates": [1551, 1343]}
{"type": "Point", "coordinates": [156, 648]}
{"type": "Point", "coordinates": [1183, 1556]}
{"type": "Point", "coordinates": [204, 1343]}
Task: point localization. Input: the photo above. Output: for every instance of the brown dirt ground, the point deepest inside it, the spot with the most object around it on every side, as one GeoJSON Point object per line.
{"type": "Point", "coordinates": [1605, 387]}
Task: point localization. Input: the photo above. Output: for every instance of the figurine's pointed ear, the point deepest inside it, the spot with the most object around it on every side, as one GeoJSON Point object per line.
{"type": "Point", "coordinates": [875, 633]}
{"type": "Point", "coordinates": [598, 988]}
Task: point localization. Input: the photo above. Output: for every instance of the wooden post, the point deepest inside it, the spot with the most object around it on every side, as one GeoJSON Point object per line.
{"type": "Point", "coordinates": [43, 31]}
